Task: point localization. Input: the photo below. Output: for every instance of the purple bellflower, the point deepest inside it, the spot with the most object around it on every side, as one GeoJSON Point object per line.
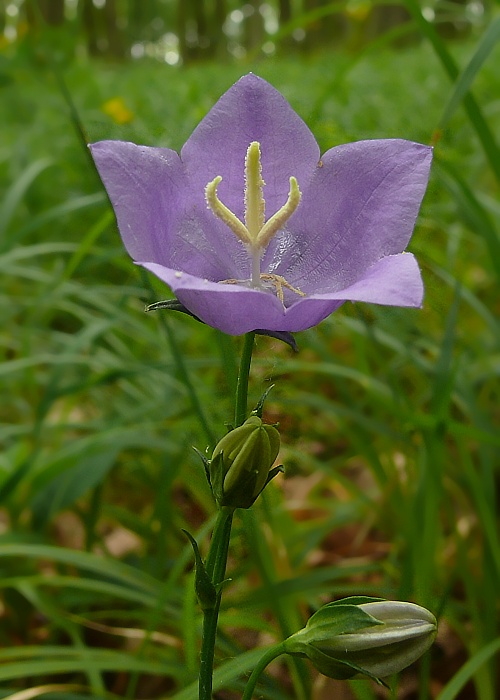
{"type": "Point", "coordinates": [252, 229]}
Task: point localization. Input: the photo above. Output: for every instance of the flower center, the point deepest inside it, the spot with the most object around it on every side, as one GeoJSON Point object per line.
{"type": "Point", "coordinates": [256, 233]}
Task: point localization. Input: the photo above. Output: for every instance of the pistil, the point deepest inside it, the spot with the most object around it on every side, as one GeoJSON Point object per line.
{"type": "Point", "coordinates": [256, 233]}
{"type": "Point", "coordinates": [255, 204]}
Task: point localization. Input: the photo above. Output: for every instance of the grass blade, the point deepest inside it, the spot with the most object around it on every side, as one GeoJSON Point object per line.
{"type": "Point", "coordinates": [472, 108]}
{"type": "Point", "coordinates": [468, 670]}
{"type": "Point", "coordinates": [473, 212]}
{"type": "Point", "coordinates": [18, 190]}
{"type": "Point", "coordinates": [464, 82]}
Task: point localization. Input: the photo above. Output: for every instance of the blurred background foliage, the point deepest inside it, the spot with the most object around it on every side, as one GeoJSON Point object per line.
{"type": "Point", "coordinates": [181, 31]}
{"type": "Point", "coordinates": [389, 417]}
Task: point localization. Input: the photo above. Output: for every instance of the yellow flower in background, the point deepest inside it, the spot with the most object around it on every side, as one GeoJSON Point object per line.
{"type": "Point", "coordinates": [117, 110]}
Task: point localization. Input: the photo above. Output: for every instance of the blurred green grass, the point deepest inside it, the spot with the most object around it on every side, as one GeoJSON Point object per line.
{"type": "Point", "coordinates": [389, 416]}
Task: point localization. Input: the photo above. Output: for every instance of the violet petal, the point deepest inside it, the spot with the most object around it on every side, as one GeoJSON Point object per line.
{"type": "Point", "coordinates": [251, 110]}
{"type": "Point", "coordinates": [360, 206]}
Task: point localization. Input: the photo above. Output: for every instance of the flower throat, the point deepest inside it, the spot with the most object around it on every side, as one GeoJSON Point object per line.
{"type": "Point", "coordinates": [256, 233]}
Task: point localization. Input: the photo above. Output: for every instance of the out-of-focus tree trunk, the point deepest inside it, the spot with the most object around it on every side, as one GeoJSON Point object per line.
{"type": "Point", "coordinates": [30, 14]}
{"type": "Point", "coordinates": [52, 11]}
{"type": "Point", "coordinates": [194, 29]}
{"type": "Point", "coordinates": [326, 31]}
{"type": "Point", "coordinates": [285, 11]}
{"type": "Point", "coordinates": [135, 20]}
{"type": "Point", "coordinates": [89, 24]}
{"type": "Point", "coordinates": [181, 30]}
{"type": "Point", "coordinates": [284, 16]}
{"type": "Point", "coordinates": [217, 36]}
{"type": "Point", "coordinates": [135, 16]}
{"type": "Point", "coordinates": [113, 32]}
{"type": "Point", "coordinates": [254, 26]}
{"type": "Point", "coordinates": [220, 13]}
{"type": "Point", "coordinates": [200, 16]}
{"type": "Point", "coordinates": [385, 17]}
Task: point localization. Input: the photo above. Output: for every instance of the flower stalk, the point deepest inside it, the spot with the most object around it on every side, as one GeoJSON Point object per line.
{"type": "Point", "coordinates": [241, 402]}
{"type": "Point", "coordinates": [216, 568]}
{"type": "Point", "coordinates": [270, 655]}
{"type": "Point", "coordinates": [216, 562]}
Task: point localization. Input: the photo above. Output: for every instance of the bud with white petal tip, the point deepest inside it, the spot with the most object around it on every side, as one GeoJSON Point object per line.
{"type": "Point", "coordinates": [364, 637]}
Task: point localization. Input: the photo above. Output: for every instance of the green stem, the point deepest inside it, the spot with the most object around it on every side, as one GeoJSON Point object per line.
{"type": "Point", "coordinates": [240, 410]}
{"type": "Point", "coordinates": [264, 661]}
{"type": "Point", "coordinates": [216, 569]}
{"type": "Point", "coordinates": [222, 531]}
{"type": "Point", "coordinates": [210, 618]}
{"type": "Point", "coordinates": [217, 555]}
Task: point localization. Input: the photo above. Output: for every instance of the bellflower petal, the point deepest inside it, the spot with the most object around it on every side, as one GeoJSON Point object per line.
{"type": "Point", "coordinates": [157, 217]}
{"type": "Point", "coordinates": [341, 237]}
{"type": "Point", "coordinates": [360, 206]}
{"type": "Point", "coordinates": [251, 110]}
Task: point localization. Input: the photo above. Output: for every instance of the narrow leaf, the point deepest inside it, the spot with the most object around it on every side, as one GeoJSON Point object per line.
{"type": "Point", "coordinates": [464, 82]}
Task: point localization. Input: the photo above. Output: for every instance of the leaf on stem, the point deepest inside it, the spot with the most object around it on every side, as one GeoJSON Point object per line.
{"type": "Point", "coordinates": [205, 589]}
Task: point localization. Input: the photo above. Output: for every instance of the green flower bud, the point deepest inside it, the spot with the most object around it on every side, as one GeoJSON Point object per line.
{"type": "Point", "coordinates": [364, 637]}
{"type": "Point", "coordinates": [241, 463]}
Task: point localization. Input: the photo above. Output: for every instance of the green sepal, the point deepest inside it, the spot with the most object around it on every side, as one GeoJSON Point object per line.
{"type": "Point", "coordinates": [220, 586]}
{"type": "Point", "coordinates": [284, 336]}
{"type": "Point", "coordinates": [347, 618]}
{"type": "Point", "coordinates": [216, 478]}
{"type": "Point", "coordinates": [339, 670]}
{"type": "Point", "coordinates": [206, 464]}
{"type": "Point", "coordinates": [274, 472]}
{"type": "Point", "coordinates": [330, 620]}
{"type": "Point", "coordinates": [354, 600]}
{"type": "Point", "coordinates": [257, 411]}
{"type": "Point", "coordinates": [206, 592]}
{"type": "Point", "coordinates": [171, 305]}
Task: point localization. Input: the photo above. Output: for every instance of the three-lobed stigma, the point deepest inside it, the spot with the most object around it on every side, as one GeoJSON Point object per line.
{"type": "Point", "coordinates": [256, 233]}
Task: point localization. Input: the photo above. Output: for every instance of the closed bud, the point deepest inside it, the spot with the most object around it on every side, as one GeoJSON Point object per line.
{"type": "Point", "coordinates": [364, 637]}
{"type": "Point", "coordinates": [241, 463]}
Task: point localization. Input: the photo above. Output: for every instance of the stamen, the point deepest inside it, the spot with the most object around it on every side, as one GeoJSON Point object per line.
{"type": "Point", "coordinates": [277, 281]}
{"type": "Point", "coordinates": [226, 215]}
